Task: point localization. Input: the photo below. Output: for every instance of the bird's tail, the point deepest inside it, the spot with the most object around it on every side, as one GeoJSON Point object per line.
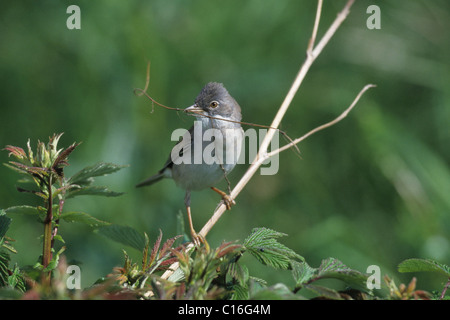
{"type": "Point", "coordinates": [151, 180]}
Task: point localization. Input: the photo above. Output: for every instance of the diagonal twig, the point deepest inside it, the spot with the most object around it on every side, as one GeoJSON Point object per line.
{"type": "Point", "coordinates": [323, 126]}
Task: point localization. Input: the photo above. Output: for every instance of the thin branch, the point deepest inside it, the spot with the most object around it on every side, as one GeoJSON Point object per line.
{"type": "Point", "coordinates": [140, 92]}
{"type": "Point", "coordinates": [324, 126]}
{"type": "Point", "coordinates": [310, 58]}
{"type": "Point", "coordinates": [332, 29]}
{"type": "Point", "coordinates": [316, 27]}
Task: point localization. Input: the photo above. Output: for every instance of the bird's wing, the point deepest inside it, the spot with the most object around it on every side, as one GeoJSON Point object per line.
{"type": "Point", "coordinates": [183, 145]}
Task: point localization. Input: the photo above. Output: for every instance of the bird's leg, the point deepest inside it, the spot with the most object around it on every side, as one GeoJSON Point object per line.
{"type": "Point", "coordinates": [196, 238]}
{"type": "Point", "coordinates": [225, 197]}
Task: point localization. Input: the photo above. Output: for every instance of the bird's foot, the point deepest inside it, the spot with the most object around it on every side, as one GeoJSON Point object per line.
{"type": "Point", "coordinates": [226, 199]}
{"type": "Point", "coordinates": [197, 239]}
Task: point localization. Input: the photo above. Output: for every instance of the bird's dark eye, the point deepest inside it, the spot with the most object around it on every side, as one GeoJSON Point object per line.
{"type": "Point", "coordinates": [214, 104]}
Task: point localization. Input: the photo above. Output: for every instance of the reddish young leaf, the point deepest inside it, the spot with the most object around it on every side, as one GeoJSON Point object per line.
{"type": "Point", "coordinates": [61, 160]}
{"type": "Point", "coordinates": [16, 151]}
{"type": "Point", "coordinates": [35, 171]}
{"type": "Point", "coordinates": [155, 250]}
{"type": "Point", "coordinates": [226, 248]}
{"type": "Point", "coordinates": [167, 245]}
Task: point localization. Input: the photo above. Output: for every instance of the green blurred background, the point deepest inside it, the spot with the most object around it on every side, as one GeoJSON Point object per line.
{"type": "Point", "coordinates": [374, 189]}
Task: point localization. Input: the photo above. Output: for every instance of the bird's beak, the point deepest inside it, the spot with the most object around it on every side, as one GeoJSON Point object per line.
{"type": "Point", "coordinates": [194, 109]}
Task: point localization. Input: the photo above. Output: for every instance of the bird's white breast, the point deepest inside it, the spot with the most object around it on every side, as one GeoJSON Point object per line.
{"type": "Point", "coordinates": [219, 156]}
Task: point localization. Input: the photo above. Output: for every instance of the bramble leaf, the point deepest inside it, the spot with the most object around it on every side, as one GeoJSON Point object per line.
{"type": "Point", "coordinates": [419, 265]}
{"type": "Point", "coordinates": [123, 234]}
{"type": "Point", "coordinates": [92, 191]}
{"type": "Point", "coordinates": [330, 268]}
{"type": "Point", "coordinates": [83, 217]}
{"type": "Point", "coordinates": [333, 268]}
{"type": "Point", "coordinates": [262, 244]}
{"type": "Point", "coordinates": [84, 176]}
{"type": "Point", "coordinates": [302, 272]}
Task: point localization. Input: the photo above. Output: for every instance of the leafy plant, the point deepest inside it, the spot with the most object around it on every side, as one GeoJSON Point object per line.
{"type": "Point", "coordinates": [200, 271]}
{"type": "Point", "coordinates": [45, 170]}
{"type": "Point", "coordinates": [9, 278]}
{"type": "Point", "coordinates": [131, 274]}
{"type": "Point", "coordinates": [198, 276]}
{"type": "Point", "coordinates": [205, 273]}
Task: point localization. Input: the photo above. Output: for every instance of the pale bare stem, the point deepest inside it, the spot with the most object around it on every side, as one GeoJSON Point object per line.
{"type": "Point", "coordinates": [316, 27]}
{"type": "Point", "coordinates": [262, 152]}
{"type": "Point", "coordinates": [332, 29]}
{"type": "Point", "coordinates": [324, 126]}
{"type": "Point", "coordinates": [302, 73]}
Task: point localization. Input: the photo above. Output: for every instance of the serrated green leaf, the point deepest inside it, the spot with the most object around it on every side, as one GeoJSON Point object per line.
{"type": "Point", "coordinates": [240, 292]}
{"type": "Point", "coordinates": [239, 273]}
{"type": "Point", "coordinates": [84, 176]}
{"type": "Point", "coordinates": [333, 268]}
{"type": "Point", "coordinates": [419, 265]}
{"type": "Point", "coordinates": [123, 234]}
{"type": "Point", "coordinates": [331, 265]}
{"type": "Point", "coordinates": [4, 264]}
{"type": "Point", "coordinates": [271, 258]}
{"type": "Point", "coordinates": [92, 191]}
{"type": "Point", "coordinates": [23, 210]}
{"type": "Point", "coordinates": [302, 273]}
{"type": "Point", "coordinates": [330, 268]}
{"type": "Point", "coordinates": [83, 217]}
{"type": "Point", "coordinates": [262, 244]}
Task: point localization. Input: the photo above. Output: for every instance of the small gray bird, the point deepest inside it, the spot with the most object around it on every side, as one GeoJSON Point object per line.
{"type": "Point", "coordinates": [209, 150]}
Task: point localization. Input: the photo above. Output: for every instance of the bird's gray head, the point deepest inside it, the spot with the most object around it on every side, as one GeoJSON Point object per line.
{"type": "Point", "coordinates": [215, 100]}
